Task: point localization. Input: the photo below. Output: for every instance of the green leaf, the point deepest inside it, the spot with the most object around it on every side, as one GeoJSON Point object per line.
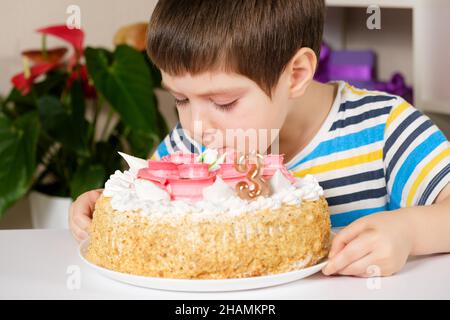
{"type": "Point", "coordinates": [126, 83]}
{"type": "Point", "coordinates": [67, 128]}
{"type": "Point", "coordinates": [154, 71]}
{"type": "Point", "coordinates": [18, 141]}
{"type": "Point", "coordinates": [141, 143]}
{"type": "Point", "coordinates": [22, 104]}
{"type": "Point", "coordinates": [78, 104]}
{"type": "Point", "coordinates": [87, 177]}
{"type": "Point", "coordinates": [106, 153]}
{"type": "Point", "coordinates": [53, 84]}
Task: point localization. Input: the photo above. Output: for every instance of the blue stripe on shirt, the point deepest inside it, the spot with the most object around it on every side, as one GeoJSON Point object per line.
{"type": "Point", "coordinates": [347, 142]}
{"type": "Point", "coordinates": [399, 130]}
{"type": "Point", "coordinates": [408, 141]}
{"type": "Point", "coordinates": [357, 196]}
{"type": "Point", "coordinates": [360, 102]}
{"type": "Point", "coordinates": [342, 123]}
{"type": "Point", "coordinates": [434, 182]}
{"type": "Point", "coordinates": [352, 179]}
{"type": "Point", "coordinates": [162, 149]}
{"type": "Point", "coordinates": [411, 162]}
{"type": "Point", "coordinates": [343, 219]}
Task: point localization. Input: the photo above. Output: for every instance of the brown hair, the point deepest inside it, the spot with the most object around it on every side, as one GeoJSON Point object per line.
{"type": "Point", "coordinates": [254, 38]}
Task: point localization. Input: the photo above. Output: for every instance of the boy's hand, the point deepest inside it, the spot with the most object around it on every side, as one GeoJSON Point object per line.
{"type": "Point", "coordinates": [378, 243]}
{"type": "Point", "coordinates": [80, 213]}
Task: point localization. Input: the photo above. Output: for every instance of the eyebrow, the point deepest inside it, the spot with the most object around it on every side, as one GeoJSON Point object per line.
{"type": "Point", "coordinates": [216, 92]}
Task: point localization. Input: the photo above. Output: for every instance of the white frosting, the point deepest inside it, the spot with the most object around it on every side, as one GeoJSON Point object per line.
{"type": "Point", "coordinates": [278, 182]}
{"type": "Point", "coordinates": [310, 186]}
{"type": "Point", "coordinates": [218, 191]}
{"type": "Point", "coordinates": [129, 193]}
{"type": "Point", "coordinates": [134, 163]}
{"type": "Point", "coordinates": [146, 190]}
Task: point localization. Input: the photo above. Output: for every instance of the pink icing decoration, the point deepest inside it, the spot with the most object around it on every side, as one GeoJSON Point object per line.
{"type": "Point", "coordinates": [184, 178]}
{"type": "Point", "coordinates": [180, 157]}
{"type": "Point", "coordinates": [189, 189]}
{"type": "Point", "coordinates": [193, 170]}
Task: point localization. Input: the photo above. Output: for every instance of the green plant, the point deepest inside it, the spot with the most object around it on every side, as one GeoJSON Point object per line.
{"type": "Point", "coordinates": [50, 135]}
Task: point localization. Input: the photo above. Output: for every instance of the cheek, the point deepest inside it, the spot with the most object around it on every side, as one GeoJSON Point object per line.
{"type": "Point", "coordinates": [250, 113]}
{"type": "Point", "coordinates": [184, 119]}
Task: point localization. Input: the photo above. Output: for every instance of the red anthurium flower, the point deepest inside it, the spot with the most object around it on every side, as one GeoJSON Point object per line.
{"type": "Point", "coordinates": [23, 82]}
{"type": "Point", "coordinates": [74, 36]}
{"type": "Point", "coordinates": [81, 73]}
{"type": "Point", "coordinates": [39, 56]}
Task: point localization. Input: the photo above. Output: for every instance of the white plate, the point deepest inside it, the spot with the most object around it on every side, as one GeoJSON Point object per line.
{"type": "Point", "coordinates": [203, 285]}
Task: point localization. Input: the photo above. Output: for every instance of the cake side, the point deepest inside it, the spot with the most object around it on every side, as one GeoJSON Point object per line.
{"type": "Point", "coordinates": [201, 246]}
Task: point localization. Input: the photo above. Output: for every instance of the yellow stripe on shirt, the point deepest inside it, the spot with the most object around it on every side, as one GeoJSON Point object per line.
{"type": "Point", "coordinates": [355, 91]}
{"type": "Point", "coordinates": [154, 156]}
{"type": "Point", "coordinates": [397, 111]}
{"type": "Point", "coordinates": [342, 163]}
{"type": "Point", "coordinates": [423, 174]}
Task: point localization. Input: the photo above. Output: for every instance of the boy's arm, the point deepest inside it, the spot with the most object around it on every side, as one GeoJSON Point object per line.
{"type": "Point", "coordinates": [431, 225]}
{"type": "Point", "coordinates": [416, 156]}
{"type": "Point", "coordinates": [379, 244]}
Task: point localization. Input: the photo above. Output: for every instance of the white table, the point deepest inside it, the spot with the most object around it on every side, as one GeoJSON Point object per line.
{"type": "Point", "coordinates": [37, 264]}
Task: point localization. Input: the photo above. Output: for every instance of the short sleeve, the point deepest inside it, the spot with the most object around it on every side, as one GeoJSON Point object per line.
{"type": "Point", "coordinates": [416, 156]}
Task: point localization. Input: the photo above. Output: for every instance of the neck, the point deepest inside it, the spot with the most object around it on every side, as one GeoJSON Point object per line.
{"type": "Point", "coordinates": [305, 118]}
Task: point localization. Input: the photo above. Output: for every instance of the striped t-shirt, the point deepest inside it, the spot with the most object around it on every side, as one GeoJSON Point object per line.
{"type": "Point", "coordinates": [374, 152]}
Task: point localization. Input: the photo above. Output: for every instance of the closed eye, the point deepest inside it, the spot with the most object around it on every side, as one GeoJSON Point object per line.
{"type": "Point", "coordinates": [222, 107]}
{"type": "Point", "coordinates": [181, 102]}
{"type": "Point", "coordinates": [225, 107]}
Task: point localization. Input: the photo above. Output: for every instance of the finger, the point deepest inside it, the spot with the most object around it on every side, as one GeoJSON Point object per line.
{"type": "Point", "coordinates": [344, 236]}
{"type": "Point", "coordinates": [354, 250]}
{"type": "Point", "coordinates": [79, 234]}
{"type": "Point", "coordinates": [71, 214]}
{"type": "Point", "coordinates": [93, 195]}
{"type": "Point", "coordinates": [85, 203]}
{"type": "Point", "coordinates": [83, 222]}
{"type": "Point", "coordinates": [360, 267]}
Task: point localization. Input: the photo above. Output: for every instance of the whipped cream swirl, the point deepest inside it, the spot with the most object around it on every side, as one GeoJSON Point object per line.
{"type": "Point", "coordinates": [129, 193]}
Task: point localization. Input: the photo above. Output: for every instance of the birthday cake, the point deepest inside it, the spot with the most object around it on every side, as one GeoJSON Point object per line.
{"type": "Point", "coordinates": [209, 217]}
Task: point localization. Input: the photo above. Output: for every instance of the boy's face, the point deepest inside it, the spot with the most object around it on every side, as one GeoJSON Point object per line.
{"type": "Point", "coordinates": [227, 110]}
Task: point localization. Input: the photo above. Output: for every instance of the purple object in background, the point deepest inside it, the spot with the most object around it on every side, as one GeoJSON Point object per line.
{"type": "Point", "coordinates": [358, 68]}
{"type": "Point", "coordinates": [321, 74]}
{"type": "Point", "coordinates": [347, 65]}
{"type": "Point", "coordinates": [352, 65]}
{"type": "Point", "coordinates": [397, 86]}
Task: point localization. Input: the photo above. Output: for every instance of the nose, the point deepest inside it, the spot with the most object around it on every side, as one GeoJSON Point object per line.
{"type": "Point", "coordinates": [199, 122]}
{"type": "Point", "coordinates": [213, 138]}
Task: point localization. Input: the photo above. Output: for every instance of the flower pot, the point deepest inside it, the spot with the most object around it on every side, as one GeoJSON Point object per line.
{"type": "Point", "coordinates": [49, 212]}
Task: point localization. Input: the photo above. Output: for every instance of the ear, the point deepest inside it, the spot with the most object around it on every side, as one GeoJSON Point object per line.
{"type": "Point", "coordinates": [301, 71]}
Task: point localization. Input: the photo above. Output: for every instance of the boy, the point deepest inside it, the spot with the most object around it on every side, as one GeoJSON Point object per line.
{"type": "Point", "coordinates": [384, 166]}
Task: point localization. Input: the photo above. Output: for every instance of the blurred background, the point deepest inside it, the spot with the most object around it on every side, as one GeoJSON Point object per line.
{"type": "Point", "coordinates": [68, 105]}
